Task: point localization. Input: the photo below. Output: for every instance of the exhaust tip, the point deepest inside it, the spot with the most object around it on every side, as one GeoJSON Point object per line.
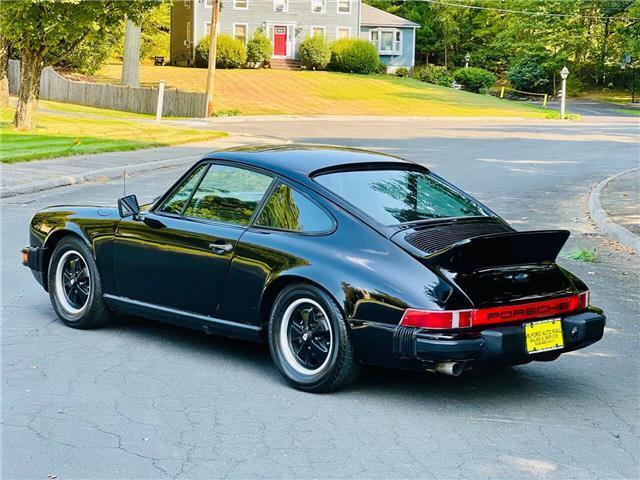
{"type": "Point", "coordinates": [449, 368]}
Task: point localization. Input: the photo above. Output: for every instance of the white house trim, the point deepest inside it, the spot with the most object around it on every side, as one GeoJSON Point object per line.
{"type": "Point", "coordinates": [397, 44]}
{"type": "Point", "coordinates": [276, 3]}
{"type": "Point", "coordinates": [246, 31]}
{"type": "Point", "coordinates": [338, 28]}
{"type": "Point", "coordinates": [324, 6]}
{"type": "Point", "coordinates": [241, 8]}
{"type": "Point", "coordinates": [317, 27]}
{"type": "Point", "coordinates": [291, 36]}
{"type": "Point", "coordinates": [350, 2]}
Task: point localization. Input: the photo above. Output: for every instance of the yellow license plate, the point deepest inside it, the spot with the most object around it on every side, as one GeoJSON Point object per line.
{"type": "Point", "coordinates": [544, 336]}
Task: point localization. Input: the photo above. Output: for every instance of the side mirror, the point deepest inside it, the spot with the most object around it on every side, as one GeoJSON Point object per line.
{"type": "Point", "coordinates": [128, 206]}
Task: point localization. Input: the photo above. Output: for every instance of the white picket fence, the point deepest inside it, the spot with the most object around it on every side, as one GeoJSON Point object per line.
{"type": "Point", "coordinates": [53, 86]}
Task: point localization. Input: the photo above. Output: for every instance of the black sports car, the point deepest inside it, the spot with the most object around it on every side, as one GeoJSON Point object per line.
{"type": "Point", "coordinates": [334, 257]}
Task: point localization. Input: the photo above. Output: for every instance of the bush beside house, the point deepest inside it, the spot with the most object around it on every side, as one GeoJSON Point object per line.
{"type": "Point", "coordinates": [230, 52]}
{"type": "Point", "coordinates": [434, 74]}
{"type": "Point", "coordinates": [315, 53]}
{"type": "Point", "coordinates": [474, 79]}
{"type": "Point", "coordinates": [352, 55]}
{"type": "Point", "coordinates": [259, 49]}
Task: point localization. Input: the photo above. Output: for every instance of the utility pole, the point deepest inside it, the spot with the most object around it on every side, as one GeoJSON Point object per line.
{"type": "Point", "coordinates": [213, 40]}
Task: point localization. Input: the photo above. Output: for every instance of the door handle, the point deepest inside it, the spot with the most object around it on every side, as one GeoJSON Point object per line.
{"type": "Point", "coordinates": [221, 248]}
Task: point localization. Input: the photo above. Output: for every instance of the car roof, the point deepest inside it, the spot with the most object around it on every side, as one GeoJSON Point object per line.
{"type": "Point", "coordinates": [300, 162]}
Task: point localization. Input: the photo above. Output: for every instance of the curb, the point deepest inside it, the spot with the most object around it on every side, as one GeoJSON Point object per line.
{"type": "Point", "coordinates": [604, 222]}
{"type": "Point", "coordinates": [110, 173]}
{"type": "Point", "coordinates": [101, 174]}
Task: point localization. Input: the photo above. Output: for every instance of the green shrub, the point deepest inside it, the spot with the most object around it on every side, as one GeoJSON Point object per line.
{"type": "Point", "coordinates": [353, 55]}
{"type": "Point", "coordinates": [315, 53]}
{"type": "Point", "coordinates": [474, 79]}
{"type": "Point", "coordinates": [402, 72]}
{"type": "Point", "coordinates": [382, 68]}
{"type": "Point", "coordinates": [530, 74]}
{"type": "Point", "coordinates": [435, 75]}
{"type": "Point", "coordinates": [230, 53]}
{"type": "Point", "coordinates": [259, 49]}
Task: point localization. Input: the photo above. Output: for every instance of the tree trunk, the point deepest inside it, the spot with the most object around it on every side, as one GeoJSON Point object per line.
{"type": "Point", "coordinates": [31, 65]}
{"type": "Point", "coordinates": [4, 72]}
{"type": "Point", "coordinates": [131, 55]}
{"type": "Point", "coordinates": [603, 53]}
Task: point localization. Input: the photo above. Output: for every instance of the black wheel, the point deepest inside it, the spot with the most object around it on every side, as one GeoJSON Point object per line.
{"type": "Point", "coordinates": [309, 340]}
{"type": "Point", "coordinates": [74, 285]}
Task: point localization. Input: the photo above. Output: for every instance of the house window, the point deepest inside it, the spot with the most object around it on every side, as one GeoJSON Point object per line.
{"type": "Point", "coordinates": [281, 5]}
{"type": "Point", "coordinates": [207, 28]}
{"type": "Point", "coordinates": [343, 32]}
{"type": "Point", "coordinates": [240, 31]}
{"type": "Point", "coordinates": [344, 6]}
{"type": "Point", "coordinates": [318, 6]}
{"type": "Point", "coordinates": [322, 31]}
{"type": "Point", "coordinates": [387, 41]}
{"type": "Point", "coordinates": [240, 4]}
{"type": "Point", "coordinates": [209, 3]}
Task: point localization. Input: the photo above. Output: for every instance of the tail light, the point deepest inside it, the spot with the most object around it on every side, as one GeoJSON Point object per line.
{"type": "Point", "coordinates": [451, 319]}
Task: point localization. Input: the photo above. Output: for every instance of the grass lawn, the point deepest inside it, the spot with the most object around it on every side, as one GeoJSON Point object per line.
{"type": "Point", "coordinates": [60, 136]}
{"type": "Point", "coordinates": [264, 92]}
{"type": "Point", "coordinates": [630, 111]}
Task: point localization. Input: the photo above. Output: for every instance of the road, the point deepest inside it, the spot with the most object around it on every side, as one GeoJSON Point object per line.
{"type": "Point", "coordinates": [143, 400]}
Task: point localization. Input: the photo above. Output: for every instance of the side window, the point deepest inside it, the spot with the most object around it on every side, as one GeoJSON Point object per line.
{"type": "Point", "coordinates": [288, 209]}
{"type": "Point", "coordinates": [175, 203]}
{"type": "Point", "coordinates": [228, 194]}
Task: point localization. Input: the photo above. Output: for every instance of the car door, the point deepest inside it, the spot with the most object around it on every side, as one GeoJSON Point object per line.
{"type": "Point", "coordinates": [177, 255]}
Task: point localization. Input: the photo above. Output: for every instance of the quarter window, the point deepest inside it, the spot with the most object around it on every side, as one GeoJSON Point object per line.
{"type": "Point", "coordinates": [176, 202]}
{"type": "Point", "coordinates": [228, 194]}
{"type": "Point", "coordinates": [288, 209]}
{"type": "Point", "coordinates": [240, 4]}
{"type": "Point", "coordinates": [344, 6]}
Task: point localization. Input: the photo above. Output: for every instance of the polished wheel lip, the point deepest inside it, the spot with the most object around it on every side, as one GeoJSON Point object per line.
{"type": "Point", "coordinates": [285, 343]}
{"type": "Point", "coordinates": [69, 279]}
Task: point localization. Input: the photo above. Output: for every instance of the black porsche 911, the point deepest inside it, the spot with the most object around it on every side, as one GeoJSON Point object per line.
{"type": "Point", "coordinates": [334, 257]}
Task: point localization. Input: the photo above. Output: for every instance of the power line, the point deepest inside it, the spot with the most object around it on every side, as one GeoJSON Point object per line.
{"type": "Point", "coordinates": [524, 12]}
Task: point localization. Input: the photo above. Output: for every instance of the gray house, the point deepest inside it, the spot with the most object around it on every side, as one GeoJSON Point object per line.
{"type": "Point", "coordinates": [288, 22]}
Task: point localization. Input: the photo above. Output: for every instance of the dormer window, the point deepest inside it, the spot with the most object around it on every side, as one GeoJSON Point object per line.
{"type": "Point", "coordinates": [281, 5]}
{"type": "Point", "coordinates": [318, 6]}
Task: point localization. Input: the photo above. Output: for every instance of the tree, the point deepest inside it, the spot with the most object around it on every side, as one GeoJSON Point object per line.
{"type": "Point", "coordinates": [5, 48]}
{"type": "Point", "coordinates": [46, 32]}
{"type": "Point", "coordinates": [131, 54]}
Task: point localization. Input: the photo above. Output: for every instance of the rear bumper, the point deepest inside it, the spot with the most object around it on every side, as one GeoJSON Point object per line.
{"type": "Point", "coordinates": [494, 346]}
{"type": "Point", "coordinates": [33, 257]}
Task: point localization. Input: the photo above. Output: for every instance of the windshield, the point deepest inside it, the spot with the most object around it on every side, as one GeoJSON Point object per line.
{"type": "Point", "coordinates": [393, 196]}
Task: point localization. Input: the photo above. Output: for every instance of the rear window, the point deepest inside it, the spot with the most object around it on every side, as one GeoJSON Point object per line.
{"type": "Point", "coordinates": [393, 196]}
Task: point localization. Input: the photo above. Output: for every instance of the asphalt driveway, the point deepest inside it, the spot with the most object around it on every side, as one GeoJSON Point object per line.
{"type": "Point", "coordinates": [144, 400]}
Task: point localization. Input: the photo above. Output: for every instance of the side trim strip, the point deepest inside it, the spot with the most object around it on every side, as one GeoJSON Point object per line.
{"type": "Point", "coordinates": [210, 325]}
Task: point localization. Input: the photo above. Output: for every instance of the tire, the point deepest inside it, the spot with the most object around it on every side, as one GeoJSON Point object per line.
{"type": "Point", "coordinates": [75, 289]}
{"type": "Point", "coordinates": [309, 340]}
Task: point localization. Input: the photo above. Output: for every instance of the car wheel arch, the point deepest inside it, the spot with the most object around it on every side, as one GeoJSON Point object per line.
{"type": "Point", "coordinates": [277, 285]}
{"type": "Point", "coordinates": [50, 243]}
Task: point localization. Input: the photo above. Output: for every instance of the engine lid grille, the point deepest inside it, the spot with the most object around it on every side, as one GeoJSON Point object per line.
{"type": "Point", "coordinates": [431, 239]}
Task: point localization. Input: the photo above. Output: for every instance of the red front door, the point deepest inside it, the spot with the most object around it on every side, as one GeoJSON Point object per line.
{"type": "Point", "coordinates": [280, 41]}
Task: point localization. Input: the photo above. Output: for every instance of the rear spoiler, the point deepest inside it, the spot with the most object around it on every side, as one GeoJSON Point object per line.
{"type": "Point", "coordinates": [500, 249]}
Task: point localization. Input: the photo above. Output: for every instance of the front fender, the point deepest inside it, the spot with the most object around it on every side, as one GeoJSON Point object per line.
{"type": "Point", "coordinates": [93, 225]}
